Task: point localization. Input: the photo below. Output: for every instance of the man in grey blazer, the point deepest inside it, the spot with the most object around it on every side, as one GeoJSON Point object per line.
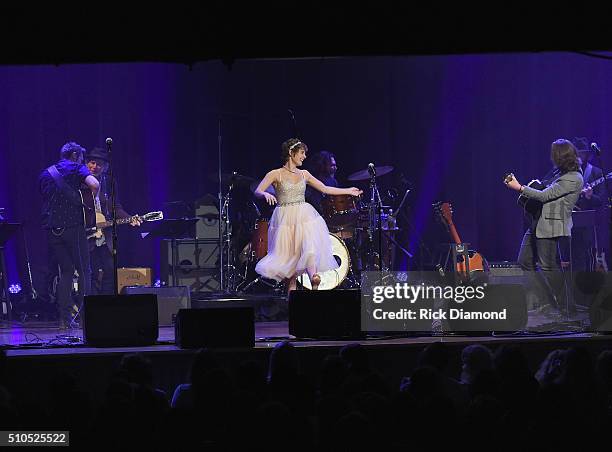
{"type": "Point", "coordinates": [555, 221]}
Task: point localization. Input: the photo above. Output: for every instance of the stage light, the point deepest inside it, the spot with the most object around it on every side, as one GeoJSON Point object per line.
{"type": "Point", "coordinates": [157, 283]}
{"type": "Point", "coordinates": [14, 288]}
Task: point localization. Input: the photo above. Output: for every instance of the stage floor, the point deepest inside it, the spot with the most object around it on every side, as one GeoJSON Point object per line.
{"type": "Point", "coordinates": [35, 337]}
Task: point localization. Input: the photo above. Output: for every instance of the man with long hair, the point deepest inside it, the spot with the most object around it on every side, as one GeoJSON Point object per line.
{"type": "Point", "coordinates": [540, 244]}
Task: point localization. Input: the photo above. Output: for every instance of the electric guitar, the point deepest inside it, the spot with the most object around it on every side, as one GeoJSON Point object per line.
{"type": "Point", "coordinates": [595, 183]}
{"type": "Point", "coordinates": [476, 262]}
{"type": "Point", "coordinates": [96, 222]}
{"type": "Point", "coordinates": [597, 257]}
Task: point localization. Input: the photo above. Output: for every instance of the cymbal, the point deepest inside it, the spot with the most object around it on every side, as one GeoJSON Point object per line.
{"type": "Point", "coordinates": [365, 174]}
{"type": "Point", "coordinates": [228, 178]}
{"type": "Point", "coordinates": [270, 189]}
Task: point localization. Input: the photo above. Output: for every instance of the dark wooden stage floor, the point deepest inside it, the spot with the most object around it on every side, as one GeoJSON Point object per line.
{"type": "Point", "coordinates": [32, 338]}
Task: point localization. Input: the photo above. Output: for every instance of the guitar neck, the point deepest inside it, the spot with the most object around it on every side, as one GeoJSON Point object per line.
{"type": "Point", "coordinates": [597, 181]}
{"type": "Point", "coordinates": [454, 234]}
{"type": "Point", "coordinates": [107, 224]}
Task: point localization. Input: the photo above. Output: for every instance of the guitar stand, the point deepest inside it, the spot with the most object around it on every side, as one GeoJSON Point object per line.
{"type": "Point", "coordinates": [456, 250]}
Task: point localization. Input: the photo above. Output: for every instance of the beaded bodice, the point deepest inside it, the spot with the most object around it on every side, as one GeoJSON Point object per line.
{"type": "Point", "coordinates": [288, 193]}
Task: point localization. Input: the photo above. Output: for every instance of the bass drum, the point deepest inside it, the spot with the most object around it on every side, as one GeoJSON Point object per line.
{"type": "Point", "coordinates": [332, 278]}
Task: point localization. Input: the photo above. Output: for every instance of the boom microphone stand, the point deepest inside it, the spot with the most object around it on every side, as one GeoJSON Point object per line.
{"type": "Point", "coordinates": [220, 200]}
{"type": "Point", "coordinates": [374, 211]}
{"type": "Point", "coordinates": [111, 177]}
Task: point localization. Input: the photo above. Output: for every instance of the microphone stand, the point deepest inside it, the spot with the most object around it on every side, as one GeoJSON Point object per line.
{"type": "Point", "coordinates": [111, 177]}
{"type": "Point", "coordinates": [225, 215]}
{"type": "Point", "coordinates": [220, 200]}
{"type": "Point", "coordinates": [380, 234]}
{"type": "Point", "coordinates": [375, 203]}
{"type": "Point", "coordinates": [608, 191]}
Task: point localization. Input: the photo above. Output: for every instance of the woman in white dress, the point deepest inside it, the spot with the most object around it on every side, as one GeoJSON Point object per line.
{"type": "Point", "coordinates": [298, 238]}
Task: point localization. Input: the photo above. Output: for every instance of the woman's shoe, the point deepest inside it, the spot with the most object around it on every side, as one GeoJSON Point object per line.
{"type": "Point", "coordinates": [315, 280]}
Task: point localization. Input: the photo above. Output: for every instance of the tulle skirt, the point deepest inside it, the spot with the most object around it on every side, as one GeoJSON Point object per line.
{"type": "Point", "coordinates": [298, 239]}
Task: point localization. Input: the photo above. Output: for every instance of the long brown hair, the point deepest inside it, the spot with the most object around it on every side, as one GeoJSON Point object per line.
{"type": "Point", "coordinates": [564, 156]}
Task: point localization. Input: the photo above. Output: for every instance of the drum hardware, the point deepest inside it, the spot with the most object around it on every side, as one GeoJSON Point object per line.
{"type": "Point", "coordinates": [339, 211]}
{"type": "Point", "coordinates": [374, 213]}
{"type": "Point", "coordinates": [255, 250]}
{"type": "Point", "coordinates": [277, 286]}
{"type": "Point", "coordinates": [228, 273]}
{"type": "Point", "coordinates": [225, 237]}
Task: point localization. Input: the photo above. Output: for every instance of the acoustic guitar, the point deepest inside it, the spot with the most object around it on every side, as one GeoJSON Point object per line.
{"type": "Point", "coordinates": [476, 262]}
{"type": "Point", "coordinates": [533, 208]}
{"type": "Point", "coordinates": [96, 222]}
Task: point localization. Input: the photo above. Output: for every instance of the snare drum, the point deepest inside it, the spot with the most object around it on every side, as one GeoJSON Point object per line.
{"type": "Point", "coordinates": [259, 239]}
{"type": "Point", "coordinates": [339, 210]}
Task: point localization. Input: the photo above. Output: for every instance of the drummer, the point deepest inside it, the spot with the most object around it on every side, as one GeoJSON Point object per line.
{"type": "Point", "coordinates": [323, 168]}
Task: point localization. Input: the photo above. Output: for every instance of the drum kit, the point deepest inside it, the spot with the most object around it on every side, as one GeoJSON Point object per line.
{"type": "Point", "coordinates": [362, 233]}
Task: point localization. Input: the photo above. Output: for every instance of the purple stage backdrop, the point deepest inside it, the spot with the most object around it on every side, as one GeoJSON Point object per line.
{"type": "Point", "coordinates": [452, 126]}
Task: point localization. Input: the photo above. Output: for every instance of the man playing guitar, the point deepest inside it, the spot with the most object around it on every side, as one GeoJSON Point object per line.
{"type": "Point", "coordinates": [554, 221]}
{"type": "Point", "coordinates": [100, 247]}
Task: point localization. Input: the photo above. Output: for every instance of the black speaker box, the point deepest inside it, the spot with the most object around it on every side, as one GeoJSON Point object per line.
{"type": "Point", "coordinates": [323, 314]}
{"type": "Point", "coordinates": [169, 300]}
{"type": "Point", "coordinates": [217, 325]}
{"type": "Point", "coordinates": [120, 320]}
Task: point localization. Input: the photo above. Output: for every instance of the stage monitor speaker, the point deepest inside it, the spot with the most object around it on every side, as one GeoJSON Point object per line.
{"type": "Point", "coordinates": [120, 320]}
{"type": "Point", "coordinates": [169, 301]}
{"type": "Point", "coordinates": [215, 327]}
{"type": "Point", "coordinates": [197, 264]}
{"type": "Point", "coordinates": [325, 314]}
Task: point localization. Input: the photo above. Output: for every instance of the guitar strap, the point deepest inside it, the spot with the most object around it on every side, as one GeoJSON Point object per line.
{"type": "Point", "coordinates": [70, 193]}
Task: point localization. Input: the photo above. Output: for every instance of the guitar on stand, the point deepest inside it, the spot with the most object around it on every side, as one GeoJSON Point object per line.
{"type": "Point", "coordinates": [468, 263]}
{"type": "Point", "coordinates": [597, 257]}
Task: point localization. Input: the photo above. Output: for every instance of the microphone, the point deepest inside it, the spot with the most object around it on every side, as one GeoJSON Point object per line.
{"type": "Point", "coordinates": [109, 141]}
{"type": "Point", "coordinates": [372, 170]}
{"type": "Point", "coordinates": [596, 149]}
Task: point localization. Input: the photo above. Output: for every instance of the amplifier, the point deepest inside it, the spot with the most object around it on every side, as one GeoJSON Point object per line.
{"type": "Point", "coordinates": [506, 272]}
{"type": "Point", "coordinates": [133, 277]}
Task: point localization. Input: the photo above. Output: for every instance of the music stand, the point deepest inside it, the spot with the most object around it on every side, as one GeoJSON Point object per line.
{"type": "Point", "coordinates": [172, 228]}
{"type": "Point", "coordinates": [7, 230]}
